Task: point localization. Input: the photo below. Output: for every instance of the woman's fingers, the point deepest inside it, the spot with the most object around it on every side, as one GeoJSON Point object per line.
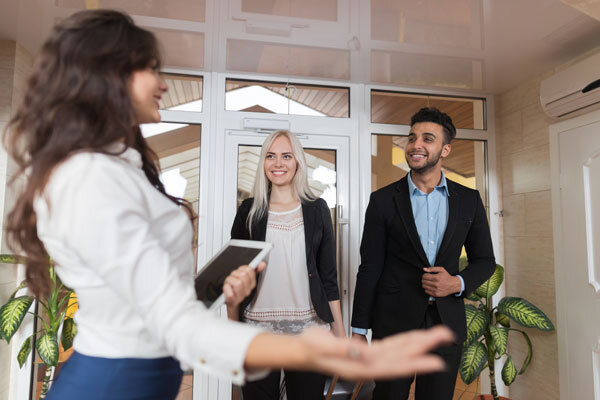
{"type": "Point", "coordinates": [239, 284]}
{"type": "Point", "coordinates": [399, 355]}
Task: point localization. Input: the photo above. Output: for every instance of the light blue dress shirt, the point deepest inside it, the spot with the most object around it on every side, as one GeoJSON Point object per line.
{"type": "Point", "coordinates": [430, 211]}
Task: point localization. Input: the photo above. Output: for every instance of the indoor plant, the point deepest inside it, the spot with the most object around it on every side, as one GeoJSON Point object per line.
{"type": "Point", "coordinates": [488, 331]}
{"type": "Point", "coordinates": [55, 306]}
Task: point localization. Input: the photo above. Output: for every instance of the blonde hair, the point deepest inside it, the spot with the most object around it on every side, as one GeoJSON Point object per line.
{"type": "Point", "coordinates": [262, 186]}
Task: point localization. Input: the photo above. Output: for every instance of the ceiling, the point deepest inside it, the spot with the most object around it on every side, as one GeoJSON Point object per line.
{"type": "Point", "coordinates": [478, 45]}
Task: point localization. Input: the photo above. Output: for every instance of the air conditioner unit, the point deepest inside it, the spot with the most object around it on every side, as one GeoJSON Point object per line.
{"type": "Point", "coordinates": [574, 90]}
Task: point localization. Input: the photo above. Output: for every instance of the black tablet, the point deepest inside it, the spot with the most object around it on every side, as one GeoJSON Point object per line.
{"type": "Point", "coordinates": [210, 279]}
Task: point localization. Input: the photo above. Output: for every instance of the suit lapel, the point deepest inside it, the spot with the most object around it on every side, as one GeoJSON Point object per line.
{"type": "Point", "coordinates": [404, 207]}
{"type": "Point", "coordinates": [308, 216]}
{"type": "Point", "coordinates": [453, 210]}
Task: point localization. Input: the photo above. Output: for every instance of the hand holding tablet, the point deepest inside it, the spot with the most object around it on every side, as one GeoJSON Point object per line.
{"type": "Point", "coordinates": [210, 279]}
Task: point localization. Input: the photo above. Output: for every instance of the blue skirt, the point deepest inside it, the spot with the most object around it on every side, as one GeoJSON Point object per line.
{"type": "Point", "coordinates": [96, 378]}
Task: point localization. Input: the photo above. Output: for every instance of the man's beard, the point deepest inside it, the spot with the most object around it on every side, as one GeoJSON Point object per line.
{"type": "Point", "coordinates": [430, 164]}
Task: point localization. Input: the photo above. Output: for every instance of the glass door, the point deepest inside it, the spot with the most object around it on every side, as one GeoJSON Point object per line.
{"type": "Point", "coordinates": [328, 176]}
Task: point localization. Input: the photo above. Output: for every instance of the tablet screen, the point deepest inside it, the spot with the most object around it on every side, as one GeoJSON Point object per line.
{"type": "Point", "coordinates": [209, 282]}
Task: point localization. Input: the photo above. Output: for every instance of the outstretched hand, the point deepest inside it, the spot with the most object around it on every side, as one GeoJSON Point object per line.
{"type": "Point", "coordinates": [239, 284]}
{"type": "Point", "coordinates": [403, 354]}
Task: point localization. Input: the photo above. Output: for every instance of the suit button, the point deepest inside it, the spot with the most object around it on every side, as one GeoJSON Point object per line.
{"type": "Point", "coordinates": [310, 275]}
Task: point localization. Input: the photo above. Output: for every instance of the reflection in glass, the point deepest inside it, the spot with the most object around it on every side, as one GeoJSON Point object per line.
{"type": "Point", "coordinates": [184, 94]}
{"type": "Point", "coordinates": [285, 59]}
{"type": "Point", "coordinates": [398, 108]}
{"type": "Point", "coordinates": [189, 10]}
{"type": "Point", "coordinates": [286, 98]}
{"type": "Point", "coordinates": [324, 10]}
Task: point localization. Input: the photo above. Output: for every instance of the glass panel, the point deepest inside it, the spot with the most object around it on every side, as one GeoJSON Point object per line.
{"type": "Point", "coordinates": [184, 94]}
{"type": "Point", "coordinates": [452, 23]}
{"type": "Point", "coordinates": [398, 108]}
{"type": "Point", "coordinates": [189, 10]}
{"type": "Point", "coordinates": [286, 98]}
{"type": "Point", "coordinates": [325, 10]}
{"type": "Point", "coordinates": [180, 48]}
{"type": "Point", "coordinates": [466, 163]}
{"type": "Point", "coordinates": [426, 70]}
{"type": "Point", "coordinates": [178, 151]}
{"type": "Point", "coordinates": [282, 59]}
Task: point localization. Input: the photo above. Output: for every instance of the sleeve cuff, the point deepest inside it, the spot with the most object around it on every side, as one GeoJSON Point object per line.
{"type": "Point", "coordinates": [360, 331]}
{"type": "Point", "coordinates": [462, 286]}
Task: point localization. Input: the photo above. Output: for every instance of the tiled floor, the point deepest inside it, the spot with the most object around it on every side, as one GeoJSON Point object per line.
{"type": "Point", "coordinates": [185, 391]}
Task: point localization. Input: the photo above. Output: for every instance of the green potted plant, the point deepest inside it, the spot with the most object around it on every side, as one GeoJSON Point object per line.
{"type": "Point", "coordinates": [488, 329]}
{"type": "Point", "coordinates": [54, 306]}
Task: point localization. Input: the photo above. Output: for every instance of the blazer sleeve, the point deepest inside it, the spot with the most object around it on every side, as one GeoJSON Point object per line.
{"type": "Point", "coordinates": [239, 229]}
{"type": "Point", "coordinates": [480, 252]}
{"type": "Point", "coordinates": [372, 253]}
{"type": "Point", "coordinates": [326, 264]}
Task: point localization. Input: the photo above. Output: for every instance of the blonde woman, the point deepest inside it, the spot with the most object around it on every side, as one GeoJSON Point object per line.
{"type": "Point", "coordinates": [300, 288]}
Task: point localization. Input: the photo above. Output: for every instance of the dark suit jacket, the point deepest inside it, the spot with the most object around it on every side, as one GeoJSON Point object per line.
{"type": "Point", "coordinates": [320, 252]}
{"type": "Point", "coordinates": [389, 297]}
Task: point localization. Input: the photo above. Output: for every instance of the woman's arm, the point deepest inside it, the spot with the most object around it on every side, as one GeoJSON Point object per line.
{"type": "Point", "coordinates": [317, 350]}
{"type": "Point", "coordinates": [337, 326]}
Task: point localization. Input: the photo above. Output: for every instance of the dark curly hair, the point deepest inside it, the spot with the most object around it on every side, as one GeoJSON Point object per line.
{"type": "Point", "coordinates": [76, 100]}
{"type": "Point", "coordinates": [432, 114]}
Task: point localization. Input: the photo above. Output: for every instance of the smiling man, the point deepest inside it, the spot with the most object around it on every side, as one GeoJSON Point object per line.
{"type": "Point", "coordinates": [414, 232]}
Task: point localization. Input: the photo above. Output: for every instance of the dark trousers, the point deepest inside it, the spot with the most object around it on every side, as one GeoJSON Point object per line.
{"type": "Point", "coordinates": [299, 386]}
{"type": "Point", "coordinates": [438, 386]}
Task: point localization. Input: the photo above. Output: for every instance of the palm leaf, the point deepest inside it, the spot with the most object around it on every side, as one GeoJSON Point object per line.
{"type": "Point", "coordinates": [525, 313]}
{"type": "Point", "coordinates": [24, 351]}
{"type": "Point", "coordinates": [477, 321]}
{"type": "Point", "coordinates": [47, 348]}
{"type": "Point", "coordinates": [473, 359]}
{"type": "Point", "coordinates": [509, 372]}
{"type": "Point", "coordinates": [491, 286]}
{"type": "Point", "coordinates": [68, 333]}
{"type": "Point", "coordinates": [500, 338]}
{"type": "Point", "coordinates": [12, 314]}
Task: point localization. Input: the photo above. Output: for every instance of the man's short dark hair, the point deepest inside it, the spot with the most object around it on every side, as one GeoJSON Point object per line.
{"type": "Point", "coordinates": [432, 114]}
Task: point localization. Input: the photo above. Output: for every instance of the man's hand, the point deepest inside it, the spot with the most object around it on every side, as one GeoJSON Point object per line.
{"type": "Point", "coordinates": [437, 282]}
{"type": "Point", "coordinates": [359, 336]}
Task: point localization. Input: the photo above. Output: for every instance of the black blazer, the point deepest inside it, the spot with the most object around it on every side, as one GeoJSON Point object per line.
{"type": "Point", "coordinates": [320, 252]}
{"type": "Point", "coordinates": [389, 297]}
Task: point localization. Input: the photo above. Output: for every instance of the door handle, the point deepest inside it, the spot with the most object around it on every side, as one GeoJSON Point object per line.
{"type": "Point", "coordinates": [339, 223]}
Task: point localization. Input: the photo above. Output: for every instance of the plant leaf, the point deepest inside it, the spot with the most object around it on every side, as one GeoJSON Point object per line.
{"type": "Point", "coordinates": [463, 262]}
{"type": "Point", "coordinates": [502, 319]}
{"type": "Point", "coordinates": [47, 347]}
{"type": "Point", "coordinates": [473, 297]}
{"type": "Point", "coordinates": [12, 314]}
{"type": "Point", "coordinates": [527, 360]}
{"type": "Point", "coordinates": [500, 338]}
{"type": "Point", "coordinates": [68, 333]}
{"type": "Point", "coordinates": [509, 372]}
{"type": "Point", "coordinates": [473, 359]}
{"type": "Point", "coordinates": [21, 286]}
{"type": "Point", "coordinates": [24, 351]}
{"type": "Point", "coordinates": [525, 313]}
{"type": "Point", "coordinates": [477, 321]}
{"type": "Point", "coordinates": [491, 286]}
{"type": "Point", "coordinates": [12, 259]}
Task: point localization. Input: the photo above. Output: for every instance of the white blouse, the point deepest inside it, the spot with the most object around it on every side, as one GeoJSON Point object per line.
{"type": "Point", "coordinates": [126, 251]}
{"type": "Point", "coordinates": [283, 303]}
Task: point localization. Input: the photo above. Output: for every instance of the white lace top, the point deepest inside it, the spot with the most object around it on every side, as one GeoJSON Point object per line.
{"type": "Point", "coordinates": [283, 301]}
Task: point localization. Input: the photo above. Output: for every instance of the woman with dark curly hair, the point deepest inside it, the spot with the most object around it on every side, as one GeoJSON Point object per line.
{"type": "Point", "coordinates": [93, 201]}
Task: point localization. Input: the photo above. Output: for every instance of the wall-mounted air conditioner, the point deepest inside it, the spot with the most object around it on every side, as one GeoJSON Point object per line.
{"type": "Point", "coordinates": [574, 90]}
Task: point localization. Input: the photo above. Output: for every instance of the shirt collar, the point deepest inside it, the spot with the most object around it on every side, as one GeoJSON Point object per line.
{"type": "Point", "coordinates": [125, 153]}
{"type": "Point", "coordinates": [443, 185]}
